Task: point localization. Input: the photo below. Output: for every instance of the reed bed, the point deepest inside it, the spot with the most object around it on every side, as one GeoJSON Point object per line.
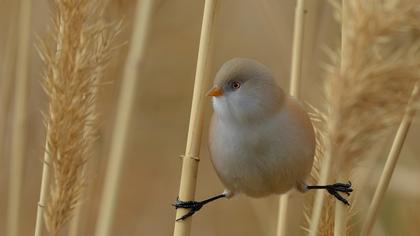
{"type": "Point", "coordinates": [370, 89]}
{"type": "Point", "coordinates": [368, 94]}
{"type": "Point", "coordinates": [75, 55]}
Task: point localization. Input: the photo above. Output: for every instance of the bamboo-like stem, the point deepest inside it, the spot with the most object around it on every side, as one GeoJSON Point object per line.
{"type": "Point", "coordinates": [18, 136]}
{"type": "Point", "coordinates": [6, 79]}
{"type": "Point", "coordinates": [295, 78]}
{"type": "Point", "coordinates": [297, 53]}
{"type": "Point", "coordinates": [190, 161]}
{"type": "Point", "coordinates": [389, 168]}
{"type": "Point", "coordinates": [282, 215]}
{"type": "Point", "coordinates": [46, 170]}
{"type": "Point", "coordinates": [134, 62]}
{"type": "Point", "coordinates": [340, 214]}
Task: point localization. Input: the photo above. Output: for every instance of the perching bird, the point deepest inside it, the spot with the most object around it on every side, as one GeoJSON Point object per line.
{"type": "Point", "coordinates": [261, 140]}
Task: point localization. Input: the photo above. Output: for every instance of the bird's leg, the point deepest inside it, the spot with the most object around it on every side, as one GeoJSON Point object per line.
{"type": "Point", "coordinates": [194, 206]}
{"type": "Point", "coordinates": [333, 189]}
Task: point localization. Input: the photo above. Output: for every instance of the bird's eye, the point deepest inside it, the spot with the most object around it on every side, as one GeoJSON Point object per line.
{"type": "Point", "coordinates": [235, 85]}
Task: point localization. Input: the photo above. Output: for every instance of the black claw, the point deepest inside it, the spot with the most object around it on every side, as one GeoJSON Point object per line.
{"type": "Point", "coordinates": [190, 213]}
{"type": "Point", "coordinates": [340, 187]}
{"type": "Point", "coordinates": [338, 196]}
{"type": "Point", "coordinates": [194, 206]}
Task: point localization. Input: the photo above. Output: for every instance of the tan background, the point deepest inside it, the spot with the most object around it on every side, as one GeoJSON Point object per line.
{"type": "Point", "coordinates": [243, 28]}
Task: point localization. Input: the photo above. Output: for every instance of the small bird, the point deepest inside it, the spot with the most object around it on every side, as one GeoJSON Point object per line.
{"type": "Point", "coordinates": [261, 140]}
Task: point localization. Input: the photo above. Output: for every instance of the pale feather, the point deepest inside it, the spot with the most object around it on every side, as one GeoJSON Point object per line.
{"type": "Point", "coordinates": [269, 155]}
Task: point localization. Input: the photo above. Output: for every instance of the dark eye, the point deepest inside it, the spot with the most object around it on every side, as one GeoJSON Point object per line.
{"type": "Point", "coordinates": [235, 85]}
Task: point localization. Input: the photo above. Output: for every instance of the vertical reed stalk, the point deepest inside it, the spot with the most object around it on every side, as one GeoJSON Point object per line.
{"type": "Point", "coordinates": [134, 63]}
{"type": "Point", "coordinates": [19, 124]}
{"type": "Point", "coordinates": [295, 78]}
{"type": "Point", "coordinates": [6, 77]}
{"type": "Point", "coordinates": [340, 216]}
{"type": "Point", "coordinates": [389, 168]}
{"type": "Point", "coordinates": [191, 158]}
{"type": "Point", "coordinates": [45, 181]}
{"type": "Point", "coordinates": [297, 53]}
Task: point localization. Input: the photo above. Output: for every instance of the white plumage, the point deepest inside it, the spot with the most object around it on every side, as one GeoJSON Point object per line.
{"type": "Point", "coordinates": [261, 140]}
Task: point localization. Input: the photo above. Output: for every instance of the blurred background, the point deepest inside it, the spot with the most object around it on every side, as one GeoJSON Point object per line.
{"type": "Point", "coordinates": [262, 30]}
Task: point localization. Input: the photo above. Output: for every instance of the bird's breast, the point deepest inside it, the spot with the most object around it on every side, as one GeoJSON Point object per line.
{"type": "Point", "coordinates": [260, 159]}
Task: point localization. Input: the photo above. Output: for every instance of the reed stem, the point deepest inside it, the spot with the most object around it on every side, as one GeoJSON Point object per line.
{"type": "Point", "coordinates": [295, 78]}
{"type": "Point", "coordinates": [42, 203]}
{"type": "Point", "coordinates": [134, 63]}
{"type": "Point", "coordinates": [298, 36]}
{"type": "Point", "coordinates": [18, 136]}
{"type": "Point", "coordinates": [340, 215]}
{"type": "Point", "coordinates": [389, 168]}
{"type": "Point", "coordinates": [190, 161]}
{"type": "Point", "coordinates": [7, 78]}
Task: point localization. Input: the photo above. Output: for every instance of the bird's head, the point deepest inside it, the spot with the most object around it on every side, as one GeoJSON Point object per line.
{"type": "Point", "coordinates": [245, 90]}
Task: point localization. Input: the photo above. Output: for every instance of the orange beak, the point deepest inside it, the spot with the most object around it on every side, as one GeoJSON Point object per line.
{"type": "Point", "coordinates": [215, 92]}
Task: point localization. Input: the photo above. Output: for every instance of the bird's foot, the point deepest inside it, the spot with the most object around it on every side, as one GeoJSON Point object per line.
{"type": "Point", "coordinates": [193, 207]}
{"type": "Point", "coordinates": [334, 190]}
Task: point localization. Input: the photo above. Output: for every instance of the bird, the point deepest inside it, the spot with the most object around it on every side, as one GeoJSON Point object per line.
{"type": "Point", "coordinates": [261, 140]}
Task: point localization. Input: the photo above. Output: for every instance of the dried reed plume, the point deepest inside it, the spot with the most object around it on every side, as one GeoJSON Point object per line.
{"type": "Point", "coordinates": [369, 93]}
{"type": "Point", "coordinates": [75, 56]}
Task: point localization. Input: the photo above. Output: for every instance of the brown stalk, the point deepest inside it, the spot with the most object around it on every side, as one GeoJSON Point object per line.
{"type": "Point", "coordinates": [74, 57]}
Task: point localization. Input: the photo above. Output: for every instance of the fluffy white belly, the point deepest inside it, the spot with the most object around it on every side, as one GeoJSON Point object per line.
{"type": "Point", "coordinates": [263, 159]}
